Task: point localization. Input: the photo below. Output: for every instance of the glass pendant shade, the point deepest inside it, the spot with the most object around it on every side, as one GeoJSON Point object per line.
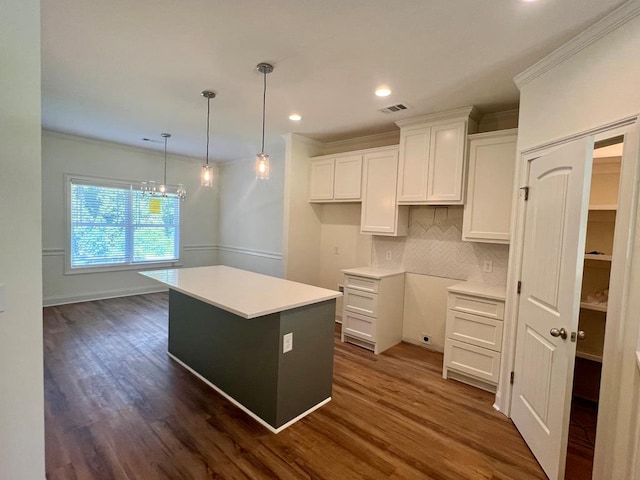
{"type": "Point", "coordinates": [206, 176]}
{"type": "Point", "coordinates": [262, 166]}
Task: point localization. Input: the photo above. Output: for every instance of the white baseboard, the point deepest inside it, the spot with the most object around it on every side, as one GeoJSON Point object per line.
{"type": "Point", "coordinates": [88, 297]}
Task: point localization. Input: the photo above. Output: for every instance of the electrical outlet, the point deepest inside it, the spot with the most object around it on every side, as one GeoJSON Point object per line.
{"type": "Point", "coordinates": [287, 342]}
{"type": "Point", "coordinates": [487, 266]}
{"type": "Point", "coordinates": [425, 339]}
{"type": "Point", "coordinates": [389, 255]}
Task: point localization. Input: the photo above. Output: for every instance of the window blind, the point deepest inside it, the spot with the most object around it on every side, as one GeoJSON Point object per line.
{"type": "Point", "coordinates": [113, 224]}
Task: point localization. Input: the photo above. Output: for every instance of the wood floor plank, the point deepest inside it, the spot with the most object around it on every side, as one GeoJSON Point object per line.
{"type": "Point", "coordinates": [117, 406]}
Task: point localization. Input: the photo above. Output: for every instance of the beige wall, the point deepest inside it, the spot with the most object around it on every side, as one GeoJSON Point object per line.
{"type": "Point", "coordinates": [251, 214]}
{"type": "Point", "coordinates": [62, 154]}
{"type": "Point", "coordinates": [341, 244]}
{"type": "Point", "coordinates": [596, 86]}
{"type": "Point", "coordinates": [21, 372]}
{"type": "Point", "coordinates": [425, 309]}
{"type": "Point", "coordinates": [301, 223]}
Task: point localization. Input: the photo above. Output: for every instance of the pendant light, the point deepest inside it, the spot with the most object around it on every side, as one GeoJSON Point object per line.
{"type": "Point", "coordinates": [206, 174]}
{"type": "Point", "coordinates": [164, 190]}
{"type": "Point", "coordinates": [262, 159]}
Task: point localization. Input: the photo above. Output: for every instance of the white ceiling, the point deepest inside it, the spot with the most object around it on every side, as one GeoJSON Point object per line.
{"type": "Point", "coordinates": [122, 70]}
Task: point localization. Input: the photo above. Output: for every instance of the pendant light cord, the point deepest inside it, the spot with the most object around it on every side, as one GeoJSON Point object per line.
{"type": "Point", "coordinates": [165, 160]}
{"type": "Point", "coordinates": [208, 113]}
{"type": "Point", "coordinates": [264, 102]}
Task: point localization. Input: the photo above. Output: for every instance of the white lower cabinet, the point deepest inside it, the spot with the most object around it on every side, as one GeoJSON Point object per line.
{"type": "Point", "coordinates": [473, 343]}
{"type": "Point", "coordinates": [372, 309]}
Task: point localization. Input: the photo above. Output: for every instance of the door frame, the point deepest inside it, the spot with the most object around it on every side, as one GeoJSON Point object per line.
{"type": "Point", "coordinates": [619, 300]}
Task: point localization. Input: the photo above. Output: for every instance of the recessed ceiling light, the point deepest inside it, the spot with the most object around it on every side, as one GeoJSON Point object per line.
{"type": "Point", "coordinates": [295, 117]}
{"type": "Point", "coordinates": [383, 92]}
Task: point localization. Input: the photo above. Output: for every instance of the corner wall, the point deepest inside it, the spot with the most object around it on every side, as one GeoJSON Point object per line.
{"type": "Point", "coordinates": [301, 221]}
{"type": "Point", "coordinates": [21, 371]}
{"type": "Point", "coordinates": [251, 215]}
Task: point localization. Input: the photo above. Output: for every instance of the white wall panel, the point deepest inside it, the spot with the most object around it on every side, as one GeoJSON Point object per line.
{"type": "Point", "coordinates": [21, 375]}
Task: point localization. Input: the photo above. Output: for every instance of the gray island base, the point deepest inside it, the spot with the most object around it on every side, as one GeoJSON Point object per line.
{"type": "Point", "coordinates": [241, 354]}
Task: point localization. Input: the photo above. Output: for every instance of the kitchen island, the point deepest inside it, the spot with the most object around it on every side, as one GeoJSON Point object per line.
{"type": "Point", "coordinates": [264, 343]}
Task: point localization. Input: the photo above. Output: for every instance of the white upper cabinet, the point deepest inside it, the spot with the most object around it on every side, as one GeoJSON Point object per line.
{"type": "Point", "coordinates": [487, 211]}
{"type": "Point", "coordinates": [381, 214]}
{"type": "Point", "coordinates": [336, 178]}
{"type": "Point", "coordinates": [321, 185]}
{"type": "Point", "coordinates": [432, 157]}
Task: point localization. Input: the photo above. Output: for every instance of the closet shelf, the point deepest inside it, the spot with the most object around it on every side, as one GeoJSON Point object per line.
{"type": "Point", "coordinates": [598, 307]}
{"type": "Point", "coordinates": [603, 258]}
{"type": "Point", "coordinates": [603, 207]}
{"type": "Point", "coordinates": [589, 356]}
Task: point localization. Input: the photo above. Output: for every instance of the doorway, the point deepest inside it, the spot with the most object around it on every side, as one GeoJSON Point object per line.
{"type": "Point", "coordinates": [603, 203]}
{"type": "Point", "coordinates": [549, 249]}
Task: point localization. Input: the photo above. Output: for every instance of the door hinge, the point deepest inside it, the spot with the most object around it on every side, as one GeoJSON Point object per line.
{"type": "Point", "coordinates": [519, 287]}
{"type": "Point", "coordinates": [512, 376]}
{"type": "Point", "coordinates": [526, 193]}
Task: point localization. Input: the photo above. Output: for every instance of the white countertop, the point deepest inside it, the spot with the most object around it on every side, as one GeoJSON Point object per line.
{"type": "Point", "coordinates": [479, 289]}
{"type": "Point", "coordinates": [373, 272]}
{"type": "Point", "coordinates": [240, 292]}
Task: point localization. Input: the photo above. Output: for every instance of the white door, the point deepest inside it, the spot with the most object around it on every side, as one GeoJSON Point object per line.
{"type": "Point", "coordinates": [554, 240]}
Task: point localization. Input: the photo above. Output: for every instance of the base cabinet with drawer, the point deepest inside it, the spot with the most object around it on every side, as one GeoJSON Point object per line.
{"type": "Point", "coordinates": [473, 343]}
{"type": "Point", "coordinates": [372, 309]}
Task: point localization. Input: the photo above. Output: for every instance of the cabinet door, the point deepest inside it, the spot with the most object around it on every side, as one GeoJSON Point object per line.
{"type": "Point", "coordinates": [379, 207]}
{"type": "Point", "coordinates": [487, 212]}
{"type": "Point", "coordinates": [321, 184]}
{"type": "Point", "coordinates": [445, 173]}
{"type": "Point", "coordinates": [414, 154]}
{"type": "Point", "coordinates": [347, 182]}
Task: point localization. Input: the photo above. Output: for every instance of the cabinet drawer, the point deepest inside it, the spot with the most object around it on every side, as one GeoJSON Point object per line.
{"type": "Point", "coordinates": [361, 283]}
{"type": "Point", "coordinates": [474, 361]}
{"type": "Point", "coordinates": [474, 329]}
{"type": "Point", "coordinates": [364, 303]}
{"type": "Point", "coordinates": [477, 305]}
{"type": "Point", "coordinates": [359, 326]}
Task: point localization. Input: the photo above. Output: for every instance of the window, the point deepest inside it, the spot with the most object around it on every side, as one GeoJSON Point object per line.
{"type": "Point", "coordinates": [113, 225]}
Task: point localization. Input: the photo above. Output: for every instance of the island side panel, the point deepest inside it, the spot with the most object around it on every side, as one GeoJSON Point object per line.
{"type": "Point", "coordinates": [306, 372]}
{"type": "Point", "coordinates": [237, 355]}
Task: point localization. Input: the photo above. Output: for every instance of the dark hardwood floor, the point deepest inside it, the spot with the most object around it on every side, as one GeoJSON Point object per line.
{"type": "Point", "coordinates": [117, 407]}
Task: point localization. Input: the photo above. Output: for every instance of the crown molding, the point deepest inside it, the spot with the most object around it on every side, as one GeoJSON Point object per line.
{"type": "Point", "coordinates": [618, 17]}
{"type": "Point", "coordinates": [298, 137]}
{"type": "Point", "coordinates": [470, 112]}
{"type": "Point", "coordinates": [359, 143]}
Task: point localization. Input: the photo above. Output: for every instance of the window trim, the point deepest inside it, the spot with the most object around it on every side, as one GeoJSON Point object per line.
{"type": "Point", "coordinates": [105, 182]}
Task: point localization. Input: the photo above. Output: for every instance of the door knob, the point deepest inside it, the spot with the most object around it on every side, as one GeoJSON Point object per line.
{"type": "Point", "coordinates": [562, 333]}
{"type": "Point", "coordinates": [581, 335]}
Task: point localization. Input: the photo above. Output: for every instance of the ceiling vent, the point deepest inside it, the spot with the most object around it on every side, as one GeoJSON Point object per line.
{"type": "Point", "coordinates": [398, 107]}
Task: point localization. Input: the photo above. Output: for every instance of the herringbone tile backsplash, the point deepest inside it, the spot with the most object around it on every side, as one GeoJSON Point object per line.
{"type": "Point", "coordinates": [434, 247]}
